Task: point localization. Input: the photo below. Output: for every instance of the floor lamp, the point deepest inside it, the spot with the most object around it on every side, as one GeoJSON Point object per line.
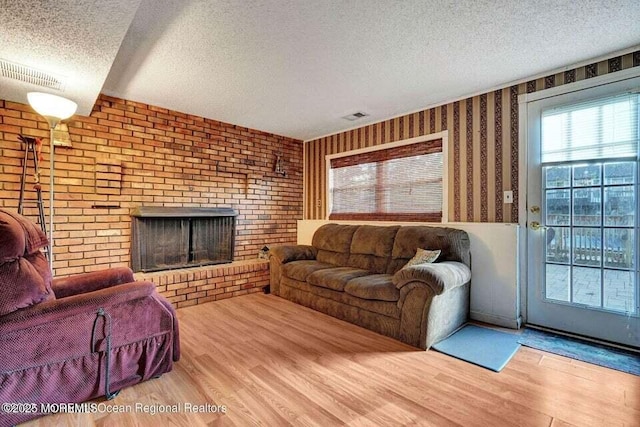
{"type": "Point", "coordinates": [53, 108]}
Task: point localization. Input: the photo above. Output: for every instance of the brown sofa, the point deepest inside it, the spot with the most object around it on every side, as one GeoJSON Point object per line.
{"type": "Point", "coordinates": [355, 273]}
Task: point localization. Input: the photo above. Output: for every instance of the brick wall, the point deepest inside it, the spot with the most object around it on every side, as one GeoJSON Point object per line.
{"type": "Point", "coordinates": [128, 154]}
{"type": "Point", "coordinates": [191, 286]}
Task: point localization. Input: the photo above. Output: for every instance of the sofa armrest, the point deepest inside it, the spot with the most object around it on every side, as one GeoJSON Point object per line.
{"type": "Point", "coordinates": [56, 309]}
{"type": "Point", "coordinates": [285, 254]}
{"type": "Point", "coordinates": [89, 282]}
{"type": "Point", "coordinates": [63, 329]}
{"type": "Point", "coordinates": [440, 277]}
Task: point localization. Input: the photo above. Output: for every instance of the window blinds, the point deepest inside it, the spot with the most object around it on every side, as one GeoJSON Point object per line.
{"type": "Point", "coordinates": [597, 129]}
{"type": "Point", "coordinates": [401, 183]}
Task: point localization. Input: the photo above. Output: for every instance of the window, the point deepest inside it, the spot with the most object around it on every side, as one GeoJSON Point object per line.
{"type": "Point", "coordinates": [596, 129]}
{"type": "Point", "coordinates": [403, 182]}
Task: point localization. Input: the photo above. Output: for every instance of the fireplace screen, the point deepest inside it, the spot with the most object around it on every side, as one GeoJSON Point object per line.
{"type": "Point", "coordinates": [165, 238]}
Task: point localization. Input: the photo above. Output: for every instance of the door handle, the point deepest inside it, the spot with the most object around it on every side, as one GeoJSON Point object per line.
{"type": "Point", "coordinates": [535, 225]}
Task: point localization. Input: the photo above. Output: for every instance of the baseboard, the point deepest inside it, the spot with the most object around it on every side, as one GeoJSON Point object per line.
{"type": "Point", "coordinates": [493, 319]}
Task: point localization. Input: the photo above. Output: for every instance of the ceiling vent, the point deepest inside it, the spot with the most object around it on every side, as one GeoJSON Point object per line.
{"type": "Point", "coordinates": [30, 75]}
{"type": "Point", "coordinates": [355, 116]}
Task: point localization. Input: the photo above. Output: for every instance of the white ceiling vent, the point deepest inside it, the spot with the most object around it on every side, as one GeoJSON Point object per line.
{"type": "Point", "coordinates": [355, 116]}
{"type": "Point", "coordinates": [30, 75]}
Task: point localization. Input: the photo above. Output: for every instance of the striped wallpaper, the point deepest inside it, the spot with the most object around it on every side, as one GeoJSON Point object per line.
{"type": "Point", "coordinates": [483, 145]}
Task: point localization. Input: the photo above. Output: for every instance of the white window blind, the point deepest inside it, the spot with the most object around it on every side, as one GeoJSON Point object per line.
{"type": "Point", "coordinates": [400, 183]}
{"type": "Point", "coordinates": [597, 129]}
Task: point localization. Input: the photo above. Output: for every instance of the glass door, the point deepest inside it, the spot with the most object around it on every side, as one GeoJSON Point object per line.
{"type": "Point", "coordinates": [590, 236]}
{"type": "Point", "coordinates": [582, 204]}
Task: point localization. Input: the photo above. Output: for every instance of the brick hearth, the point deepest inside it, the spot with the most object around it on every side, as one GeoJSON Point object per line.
{"type": "Point", "coordinates": [191, 286]}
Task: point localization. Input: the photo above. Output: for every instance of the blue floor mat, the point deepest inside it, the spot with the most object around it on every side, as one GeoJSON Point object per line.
{"type": "Point", "coordinates": [485, 347]}
{"type": "Point", "coordinates": [585, 351]}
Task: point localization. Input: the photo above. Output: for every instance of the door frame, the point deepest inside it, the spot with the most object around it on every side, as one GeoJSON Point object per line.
{"type": "Point", "coordinates": [524, 127]}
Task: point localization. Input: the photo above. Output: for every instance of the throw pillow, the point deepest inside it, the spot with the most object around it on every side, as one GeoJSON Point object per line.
{"type": "Point", "coordinates": [423, 256]}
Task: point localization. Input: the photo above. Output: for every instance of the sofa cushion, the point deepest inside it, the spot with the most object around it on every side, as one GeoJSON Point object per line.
{"type": "Point", "coordinates": [19, 236]}
{"type": "Point", "coordinates": [300, 270]}
{"type": "Point", "coordinates": [334, 258]}
{"type": "Point", "coordinates": [12, 238]}
{"type": "Point", "coordinates": [317, 293]}
{"type": "Point", "coordinates": [335, 278]}
{"type": "Point", "coordinates": [371, 263]}
{"type": "Point", "coordinates": [371, 248]}
{"type": "Point", "coordinates": [374, 240]}
{"type": "Point", "coordinates": [25, 278]}
{"type": "Point", "coordinates": [333, 242]}
{"type": "Point", "coordinates": [24, 282]}
{"type": "Point", "coordinates": [334, 237]}
{"type": "Point", "coordinates": [378, 287]}
{"type": "Point", "coordinates": [453, 243]}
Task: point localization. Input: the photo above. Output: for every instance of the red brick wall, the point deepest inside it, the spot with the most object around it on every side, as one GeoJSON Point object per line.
{"type": "Point", "coordinates": [193, 286]}
{"type": "Point", "coordinates": [130, 154]}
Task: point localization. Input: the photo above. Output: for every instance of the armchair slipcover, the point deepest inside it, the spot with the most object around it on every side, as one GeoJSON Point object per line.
{"type": "Point", "coordinates": [73, 339]}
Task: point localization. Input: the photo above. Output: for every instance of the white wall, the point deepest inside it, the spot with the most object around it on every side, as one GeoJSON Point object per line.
{"type": "Point", "coordinates": [494, 267]}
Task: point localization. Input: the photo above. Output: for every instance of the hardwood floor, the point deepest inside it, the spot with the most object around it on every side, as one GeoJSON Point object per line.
{"type": "Point", "coordinates": [271, 362]}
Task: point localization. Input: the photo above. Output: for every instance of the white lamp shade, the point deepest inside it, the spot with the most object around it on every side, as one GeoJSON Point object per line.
{"type": "Point", "coordinates": [54, 106]}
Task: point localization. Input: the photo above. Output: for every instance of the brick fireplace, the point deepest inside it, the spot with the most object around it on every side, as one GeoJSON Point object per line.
{"type": "Point", "coordinates": [128, 154]}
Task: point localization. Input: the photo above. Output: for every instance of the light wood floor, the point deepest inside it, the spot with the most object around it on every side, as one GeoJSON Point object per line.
{"type": "Point", "coordinates": [272, 363]}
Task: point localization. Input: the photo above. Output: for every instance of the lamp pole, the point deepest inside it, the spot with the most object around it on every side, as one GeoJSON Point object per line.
{"type": "Point", "coordinates": [52, 125]}
{"type": "Point", "coordinates": [54, 109]}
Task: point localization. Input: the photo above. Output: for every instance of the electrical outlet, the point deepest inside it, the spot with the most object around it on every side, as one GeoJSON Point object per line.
{"type": "Point", "coordinates": [318, 203]}
{"type": "Point", "coordinates": [508, 197]}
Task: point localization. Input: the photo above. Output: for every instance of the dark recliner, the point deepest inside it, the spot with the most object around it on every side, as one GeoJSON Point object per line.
{"type": "Point", "coordinates": [76, 338]}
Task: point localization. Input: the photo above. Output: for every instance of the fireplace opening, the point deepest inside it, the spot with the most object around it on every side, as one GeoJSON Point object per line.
{"type": "Point", "coordinates": [165, 238]}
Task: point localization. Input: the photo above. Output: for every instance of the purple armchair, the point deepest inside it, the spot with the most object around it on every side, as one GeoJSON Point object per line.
{"type": "Point", "coordinates": [73, 339]}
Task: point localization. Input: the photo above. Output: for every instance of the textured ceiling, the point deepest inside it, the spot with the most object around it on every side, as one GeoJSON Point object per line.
{"type": "Point", "coordinates": [295, 67]}
{"type": "Point", "coordinates": [74, 39]}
